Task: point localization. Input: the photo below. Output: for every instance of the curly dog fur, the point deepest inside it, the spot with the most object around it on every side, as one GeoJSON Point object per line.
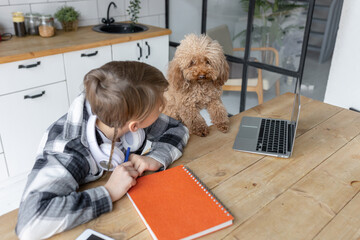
{"type": "Point", "coordinates": [196, 74]}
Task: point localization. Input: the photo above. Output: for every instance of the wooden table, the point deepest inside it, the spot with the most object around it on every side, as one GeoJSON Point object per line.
{"type": "Point", "coordinates": [312, 195]}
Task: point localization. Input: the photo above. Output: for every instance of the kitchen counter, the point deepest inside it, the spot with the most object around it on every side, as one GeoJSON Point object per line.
{"type": "Point", "coordinates": [29, 47]}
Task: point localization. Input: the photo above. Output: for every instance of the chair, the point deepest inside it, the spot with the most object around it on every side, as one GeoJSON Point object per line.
{"type": "Point", "coordinates": [256, 82]}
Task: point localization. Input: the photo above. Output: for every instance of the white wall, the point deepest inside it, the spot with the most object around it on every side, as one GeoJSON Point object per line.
{"type": "Point", "coordinates": [343, 88]}
{"type": "Point", "coordinates": [152, 12]}
{"type": "Point", "coordinates": [185, 17]}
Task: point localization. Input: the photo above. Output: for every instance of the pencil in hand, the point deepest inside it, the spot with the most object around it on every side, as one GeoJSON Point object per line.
{"type": "Point", "coordinates": [127, 155]}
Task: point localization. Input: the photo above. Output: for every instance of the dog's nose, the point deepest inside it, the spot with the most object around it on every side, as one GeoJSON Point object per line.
{"type": "Point", "coordinates": [201, 76]}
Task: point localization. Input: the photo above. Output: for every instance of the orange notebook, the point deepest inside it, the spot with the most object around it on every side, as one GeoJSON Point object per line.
{"type": "Point", "coordinates": [173, 204]}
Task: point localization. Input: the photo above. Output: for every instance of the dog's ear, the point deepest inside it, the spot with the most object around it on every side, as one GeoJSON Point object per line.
{"type": "Point", "coordinates": [224, 73]}
{"type": "Point", "coordinates": [175, 76]}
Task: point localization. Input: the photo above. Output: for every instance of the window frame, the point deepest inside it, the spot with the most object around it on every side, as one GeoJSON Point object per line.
{"type": "Point", "coordinates": [245, 61]}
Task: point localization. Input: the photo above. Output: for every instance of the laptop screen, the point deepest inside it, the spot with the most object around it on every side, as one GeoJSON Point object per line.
{"type": "Point", "coordinates": [296, 109]}
{"type": "Point", "coordinates": [295, 114]}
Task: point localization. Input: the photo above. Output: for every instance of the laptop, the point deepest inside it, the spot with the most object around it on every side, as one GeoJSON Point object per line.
{"type": "Point", "coordinates": [274, 137]}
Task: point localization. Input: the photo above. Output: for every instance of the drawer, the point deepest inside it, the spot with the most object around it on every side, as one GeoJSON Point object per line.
{"type": "Point", "coordinates": [21, 75]}
{"type": "Point", "coordinates": [3, 168]}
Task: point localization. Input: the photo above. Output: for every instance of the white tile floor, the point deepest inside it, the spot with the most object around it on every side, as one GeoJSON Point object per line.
{"type": "Point", "coordinates": [314, 86]}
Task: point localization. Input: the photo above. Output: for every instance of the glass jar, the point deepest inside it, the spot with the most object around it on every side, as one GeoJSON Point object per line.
{"type": "Point", "coordinates": [32, 23]}
{"type": "Point", "coordinates": [19, 24]}
{"type": "Point", "coordinates": [47, 26]}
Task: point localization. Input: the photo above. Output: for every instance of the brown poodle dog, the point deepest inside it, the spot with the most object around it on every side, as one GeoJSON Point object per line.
{"type": "Point", "coordinates": [196, 74]}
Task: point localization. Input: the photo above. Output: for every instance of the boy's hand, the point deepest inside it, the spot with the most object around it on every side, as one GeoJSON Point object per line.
{"type": "Point", "coordinates": [121, 180]}
{"type": "Point", "coordinates": [144, 163]}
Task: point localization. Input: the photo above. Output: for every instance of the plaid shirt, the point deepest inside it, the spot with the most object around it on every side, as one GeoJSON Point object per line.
{"type": "Point", "coordinates": [50, 203]}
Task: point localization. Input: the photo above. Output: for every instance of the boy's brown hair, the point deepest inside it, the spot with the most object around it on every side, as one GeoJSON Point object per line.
{"type": "Point", "coordinates": [122, 91]}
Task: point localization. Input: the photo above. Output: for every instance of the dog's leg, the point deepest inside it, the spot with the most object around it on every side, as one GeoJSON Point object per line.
{"type": "Point", "coordinates": [194, 121]}
{"type": "Point", "coordinates": [219, 116]}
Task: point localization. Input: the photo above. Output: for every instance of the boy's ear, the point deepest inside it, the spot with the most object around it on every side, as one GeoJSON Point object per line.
{"type": "Point", "coordinates": [133, 126]}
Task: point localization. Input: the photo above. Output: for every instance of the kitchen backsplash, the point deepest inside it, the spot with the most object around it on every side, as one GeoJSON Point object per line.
{"type": "Point", "coordinates": [152, 12]}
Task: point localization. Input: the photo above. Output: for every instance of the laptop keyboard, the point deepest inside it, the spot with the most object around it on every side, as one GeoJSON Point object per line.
{"type": "Point", "coordinates": [272, 136]}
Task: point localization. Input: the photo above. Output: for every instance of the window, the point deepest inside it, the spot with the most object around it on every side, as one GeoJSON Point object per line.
{"type": "Point", "coordinates": [263, 40]}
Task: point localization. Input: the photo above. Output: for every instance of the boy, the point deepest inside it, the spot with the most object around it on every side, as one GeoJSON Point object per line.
{"type": "Point", "coordinates": [124, 97]}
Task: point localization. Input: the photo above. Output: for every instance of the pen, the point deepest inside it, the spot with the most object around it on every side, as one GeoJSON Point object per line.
{"type": "Point", "coordinates": [127, 155]}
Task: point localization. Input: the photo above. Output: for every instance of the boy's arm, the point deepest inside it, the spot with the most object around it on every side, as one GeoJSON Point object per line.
{"type": "Point", "coordinates": [51, 204]}
{"type": "Point", "coordinates": [168, 137]}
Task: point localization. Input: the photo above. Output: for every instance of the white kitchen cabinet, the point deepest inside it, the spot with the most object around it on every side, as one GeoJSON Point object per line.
{"type": "Point", "coordinates": [25, 117]}
{"type": "Point", "coordinates": [79, 63]}
{"type": "Point", "coordinates": [16, 76]}
{"type": "Point", "coordinates": [36, 92]}
{"type": "Point", "coordinates": [3, 169]}
{"type": "Point", "coordinates": [153, 51]}
{"type": "Point", "coordinates": [157, 52]}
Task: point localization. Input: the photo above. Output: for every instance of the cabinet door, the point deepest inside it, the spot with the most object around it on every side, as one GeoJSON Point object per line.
{"type": "Point", "coordinates": [129, 51]}
{"type": "Point", "coordinates": [24, 120]}
{"type": "Point", "coordinates": [79, 63]}
{"type": "Point", "coordinates": [156, 52]}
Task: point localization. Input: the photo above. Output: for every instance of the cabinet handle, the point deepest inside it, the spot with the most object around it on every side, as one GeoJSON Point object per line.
{"type": "Point", "coordinates": [140, 51]}
{"type": "Point", "coordinates": [146, 43]}
{"type": "Point", "coordinates": [30, 66]}
{"type": "Point", "coordinates": [89, 55]}
{"type": "Point", "coordinates": [34, 96]}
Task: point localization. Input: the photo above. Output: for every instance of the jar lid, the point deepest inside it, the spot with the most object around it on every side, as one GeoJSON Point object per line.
{"type": "Point", "coordinates": [32, 15]}
{"type": "Point", "coordinates": [17, 14]}
{"type": "Point", "coordinates": [18, 17]}
{"type": "Point", "coordinates": [46, 17]}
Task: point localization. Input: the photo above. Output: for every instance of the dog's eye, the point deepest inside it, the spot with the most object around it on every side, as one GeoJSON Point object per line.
{"type": "Point", "coordinates": [208, 62]}
{"type": "Point", "coordinates": [192, 63]}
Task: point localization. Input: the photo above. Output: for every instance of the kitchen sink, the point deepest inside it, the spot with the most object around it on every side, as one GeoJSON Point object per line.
{"type": "Point", "coordinates": [117, 28]}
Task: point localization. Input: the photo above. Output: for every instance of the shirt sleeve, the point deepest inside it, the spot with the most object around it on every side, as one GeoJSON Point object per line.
{"type": "Point", "coordinates": [169, 138]}
{"type": "Point", "coordinates": [51, 204]}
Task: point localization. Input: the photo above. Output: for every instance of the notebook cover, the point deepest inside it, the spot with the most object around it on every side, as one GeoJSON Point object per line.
{"type": "Point", "coordinates": [173, 204]}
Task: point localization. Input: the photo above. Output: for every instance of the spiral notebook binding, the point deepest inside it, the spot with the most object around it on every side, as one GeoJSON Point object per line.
{"type": "Point", "coordinates": [208, 191]}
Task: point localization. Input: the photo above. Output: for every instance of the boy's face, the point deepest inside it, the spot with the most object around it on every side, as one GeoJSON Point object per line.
{"type": "Point", "coordinates": [136, 125]}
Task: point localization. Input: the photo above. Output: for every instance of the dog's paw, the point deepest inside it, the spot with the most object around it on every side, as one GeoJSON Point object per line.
{"type": "Point", "coordinates": [201, 131]}
{"type": "Point", "coordinates": [223, 127]}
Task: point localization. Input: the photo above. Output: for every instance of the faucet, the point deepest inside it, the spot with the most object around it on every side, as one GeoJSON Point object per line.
{"type": "Point", "coordinates": [108, 20]}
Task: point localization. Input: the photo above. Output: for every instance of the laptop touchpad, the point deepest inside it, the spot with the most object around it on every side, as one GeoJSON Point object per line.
{"type": "Point", "coordinates": [248, 131]}
{"type": "Point", "coordinates": [249, 127]}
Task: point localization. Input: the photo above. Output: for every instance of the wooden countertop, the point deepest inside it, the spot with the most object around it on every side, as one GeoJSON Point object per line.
{"type": "Point", "coordinates": [312, 195]}
{"type": "Point", "coordinates": [35, 46]}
